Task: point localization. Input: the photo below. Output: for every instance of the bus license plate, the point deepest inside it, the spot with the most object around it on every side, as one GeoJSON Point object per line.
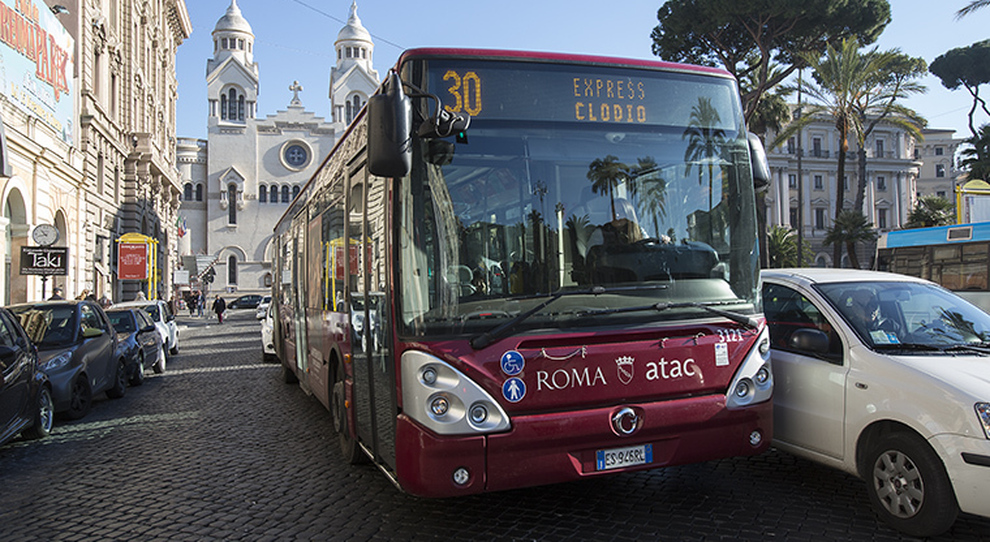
{"type": "Point", "coordinates": [617, 458]}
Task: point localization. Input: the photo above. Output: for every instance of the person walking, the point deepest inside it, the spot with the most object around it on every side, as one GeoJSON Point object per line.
{"type": "Point", "coordinates": [56, 294]}
{"type": "Point", "coordinates": [200, 304]}
{"type": "Point", "coordinates": [193, 301]}
{"type": "Point", "coordinates": [219, 305]}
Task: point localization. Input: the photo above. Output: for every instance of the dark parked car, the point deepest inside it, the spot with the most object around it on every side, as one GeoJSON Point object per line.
{"type": "Point", "coordinates": [138, 342]}
{"type": "Point", "coordinates": [245, 302]}
{"type": "Point", "coordinates": [25, 393]}
{"type": "Point", "coordinates": [77, 349]}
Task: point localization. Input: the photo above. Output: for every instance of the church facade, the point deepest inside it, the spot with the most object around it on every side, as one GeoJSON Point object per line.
{"type": "Point", "coordinates": [239, 181]}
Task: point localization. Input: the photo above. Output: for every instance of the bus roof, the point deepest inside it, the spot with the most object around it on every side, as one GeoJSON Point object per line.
{"type": "Point", "coordinates": [563, 58]}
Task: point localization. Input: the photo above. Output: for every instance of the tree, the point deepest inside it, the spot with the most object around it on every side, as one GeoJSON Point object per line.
{"type": "Point", "coordinates": [968, 67]}
{"type": "Point", "coordinates": [605, 175]}
{"type": "Point", "coordinates": [746, 37]}
{"type": "Point", "coordinates": [931, 211]}
{"type": "Point", "coordinates": [782, 248]}
{"type": "Point", "coordinates": [895, 79]}
{"type": "Point", "coordinates": [706, 144]}
{"type": "Point", "coordinates": [850, 228]}
{"type": "Point", "coordinates": [971, 7]}
{"type": "Point", "coordinates": [976, 157]}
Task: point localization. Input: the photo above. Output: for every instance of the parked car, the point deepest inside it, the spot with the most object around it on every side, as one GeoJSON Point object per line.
{"type": "Point", "coordinates": [26, 406]}
{"type": "Point", "coordinates": [164, 320]}
{"type": "Point", "coordinates": [267, 336]}
{"type": "Point", "coordinates": [886, 377]}
{"type": "Point", "coordinates": [245, 302]}
{"type": "Point", "coordinates": [77, 350]}
{"type": "Point", "coordinates": [263, 307]}
{"type": "Point", "coordinates": [139, 342]}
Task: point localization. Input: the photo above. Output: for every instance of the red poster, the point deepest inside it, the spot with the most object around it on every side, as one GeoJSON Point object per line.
{"type": "Point", "coordinates": [132, 261]}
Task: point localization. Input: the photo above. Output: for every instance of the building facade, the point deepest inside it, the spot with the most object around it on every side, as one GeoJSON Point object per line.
{"type": "Point", "coordinates": [240, 180]}
{"type": "Point", "coordinates": [939, 173]}
{"type": "Point", "coordinates": [892, 171]}
{"type": "Point", "coordinates": [89, 137]}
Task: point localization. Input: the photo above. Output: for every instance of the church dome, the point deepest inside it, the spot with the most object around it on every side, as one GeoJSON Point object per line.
{"type": "Point", "coordinates": [354, 30]}
{"type": "Point", "coordinates": [233, 21]}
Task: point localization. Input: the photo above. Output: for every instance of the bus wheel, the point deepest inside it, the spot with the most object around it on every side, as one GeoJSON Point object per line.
{"type": "Point", "coordinates": [338, 411]}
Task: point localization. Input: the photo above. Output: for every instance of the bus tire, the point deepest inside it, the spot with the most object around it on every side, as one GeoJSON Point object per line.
{"type": "Point", "coordinates": [349, 448]}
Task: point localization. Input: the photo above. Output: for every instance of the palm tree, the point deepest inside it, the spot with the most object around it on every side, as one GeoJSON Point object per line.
{"type": "Point", "coordinates": [976, 157]}
{"type": "Point", "coordinates": [782, 248]}
{"type": "Point", "coordinates": [706, 143]}
{"type": "Point", "coordinates": [931, 211]}
{"type": "Point", "coordinates": [842, 76]}
{"type": "Point", "coordinates": [850, 228]}
{"type": "Point", "coordinates": [605, 175]}
{"type": "Point", "coordinates": [971, 7]}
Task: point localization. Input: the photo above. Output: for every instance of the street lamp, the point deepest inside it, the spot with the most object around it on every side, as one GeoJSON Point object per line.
{"type": "Point", "coordinates": [59, 9]}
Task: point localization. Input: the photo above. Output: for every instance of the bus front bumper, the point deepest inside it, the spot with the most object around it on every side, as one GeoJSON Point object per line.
{"type": "Point", "coordinates": [558, 447]}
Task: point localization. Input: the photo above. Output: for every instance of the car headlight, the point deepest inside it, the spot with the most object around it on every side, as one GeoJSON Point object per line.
{"type": "Point", "coordinates": [983, 413]}
{"type": "Point", "coordinates": [57, 362]}
{"type": "Point", "coordinates": [445, 400]}
{"type": "Point", "coordinates": [753, 382]}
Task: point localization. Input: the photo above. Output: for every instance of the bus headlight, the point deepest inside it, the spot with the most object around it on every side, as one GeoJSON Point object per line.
{"type": "Point", "coordinates": [445, 400]}
{"type": "Point", "coordinates": [753, 382]}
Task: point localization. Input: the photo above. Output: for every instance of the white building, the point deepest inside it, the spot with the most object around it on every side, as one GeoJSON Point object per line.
{"type": "Point", "coordinates": [938, 173]}
{"type": "Point", "coordinates": [239, 181]}
{"type": "Point", "coordinates": [892, 171]}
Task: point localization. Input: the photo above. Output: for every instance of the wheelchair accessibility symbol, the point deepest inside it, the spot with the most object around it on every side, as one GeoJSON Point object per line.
{"type": "Point", "coordinates": [513, 363]}
{"type": "Point", "coordinates": [514, 389]}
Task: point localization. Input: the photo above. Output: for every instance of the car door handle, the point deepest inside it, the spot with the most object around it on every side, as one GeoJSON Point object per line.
{"type": "Point", "coordinates": [862, 386]}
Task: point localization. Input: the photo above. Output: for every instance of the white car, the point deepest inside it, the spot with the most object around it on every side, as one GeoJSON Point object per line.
{"type": "Point", "coordinates": [163, 318]}
{"type": "Point", "coordinates": [886, 377]}
{"type": "Point", "coordinates": [267, 336]}
{"type": "Point", "coordinates": [263, 307]}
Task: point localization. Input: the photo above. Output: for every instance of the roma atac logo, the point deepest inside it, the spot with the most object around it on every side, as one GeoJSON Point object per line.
{"type": "Point", "coordinates": [625, 368]}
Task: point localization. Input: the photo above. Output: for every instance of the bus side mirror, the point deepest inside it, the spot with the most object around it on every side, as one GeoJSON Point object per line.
{"type": "Point", "coordinates": [761, 169]}
{"type": "Point", "coordinates": [389, 131]}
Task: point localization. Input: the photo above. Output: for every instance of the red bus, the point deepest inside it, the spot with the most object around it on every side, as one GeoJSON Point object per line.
{"type": "Point", "coordinates": [522, 268]}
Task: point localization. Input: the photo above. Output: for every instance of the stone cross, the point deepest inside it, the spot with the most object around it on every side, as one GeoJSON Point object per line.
{"type": "Point", "coordinates": [295, 87]}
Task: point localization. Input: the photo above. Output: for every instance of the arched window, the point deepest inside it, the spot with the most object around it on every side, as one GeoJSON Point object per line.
{"type": "Point", "coordinates": [187, 192]}
{"type": "Point", "coordinates": [232, 105]}
{"type": "Point", "coordinates": [232, 270]}
{"type": "Point", "coordinates": [295, 191]}
{"type": "Point", "coordinates": [232, 204]}
{"type": "Point", "coordinates": [262, 194]}
{"type": "Point", "coordinates": [199, 191]}
{"type": "Point", "coordinates": [223, 107]}
{"type": "Point", "coordinates": [274, 194]}
{"type": "Point", "coordinates": [285, 194]}
{"type": "Point", "coordinates": [240, 108]}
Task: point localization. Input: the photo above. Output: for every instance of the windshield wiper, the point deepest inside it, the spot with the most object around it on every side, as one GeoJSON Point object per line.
{"type": "Point", "coordinates": [921, 347]}
{"type": "Point", "coordinates": [481, 341]}
{"type": "Point", "coordinates": [747, 321]}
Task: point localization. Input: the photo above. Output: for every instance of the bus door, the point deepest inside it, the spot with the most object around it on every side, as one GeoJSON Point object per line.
{"type": "Point", "coordinates": [299, 294]}
{"type": "Point", "coordinates": [374, 372]}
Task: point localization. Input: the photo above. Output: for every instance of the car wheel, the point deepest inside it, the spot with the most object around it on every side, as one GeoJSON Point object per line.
{"type": "Point", "coordinates": [349, 448]}
{"type": "Point", "coordinates": [174, 350]}
{"type": "Point", "coordinates": [44, 415]}
{"type": "Point", "coordinates": [159, 366]}
{"type": "Point", "coordinates": [908, 486]}
{"type": "Point", "coordinates": [81, 398]}
{"type": "Point", "coordinates": [137, 378]}
{"type": "Point", "coordinates": [120, 382]}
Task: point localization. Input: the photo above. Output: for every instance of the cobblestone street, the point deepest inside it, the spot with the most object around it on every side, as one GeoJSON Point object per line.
{"type": "Point", "coordinates": [218, 448]}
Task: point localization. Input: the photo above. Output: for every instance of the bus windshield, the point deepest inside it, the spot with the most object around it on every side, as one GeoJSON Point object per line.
{"type": "Point", "coordinates": [561, 186]}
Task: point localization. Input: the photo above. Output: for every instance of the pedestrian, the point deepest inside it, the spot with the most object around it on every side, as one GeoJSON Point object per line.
{"type": "Point", "coordinates": [200, 304]}
{"type": "Point", "coordinates": [140, 296]}
{"type": "Point", "coordinates": [219, 306]}
{"type": "Point", "coordinates": [56, 294]}
{"type": "Point", "coordinates": [83, 295]}
{"type": "Point", "coordinates": [192, 304]}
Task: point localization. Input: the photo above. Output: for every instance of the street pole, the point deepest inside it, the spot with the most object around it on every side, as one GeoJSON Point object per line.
{"type": "Point", "coordinates": [800, 184]}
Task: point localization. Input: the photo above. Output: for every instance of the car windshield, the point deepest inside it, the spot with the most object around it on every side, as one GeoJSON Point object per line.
{"type": "Point", "coordinates": [122, 321]}
{"type": "Point", "coordinates": [889, 315]}
{"type": "Point", "coordinates": [48, 326]}
{"type": "Point", "coordinates": [516, 211]}
{"type": "Point", "coordinates": [153, 312]}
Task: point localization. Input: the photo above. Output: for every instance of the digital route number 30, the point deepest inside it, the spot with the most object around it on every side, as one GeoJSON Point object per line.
{"type": "Point", "coordinates": [466, 90]}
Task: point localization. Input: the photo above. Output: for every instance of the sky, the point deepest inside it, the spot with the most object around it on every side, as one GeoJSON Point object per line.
{"type": "Point", "coordinates": [294, 41]}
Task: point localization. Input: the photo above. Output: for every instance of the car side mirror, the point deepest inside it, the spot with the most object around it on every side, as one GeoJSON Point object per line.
{"type": "Point", "coordinates": [811, 341]}
{"type": "Point", "coordinates": [149, 327]}
{"type": "Point", "coordinates": [170, 318]}
{"type": "Point", "coordinates": [7, 353]}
